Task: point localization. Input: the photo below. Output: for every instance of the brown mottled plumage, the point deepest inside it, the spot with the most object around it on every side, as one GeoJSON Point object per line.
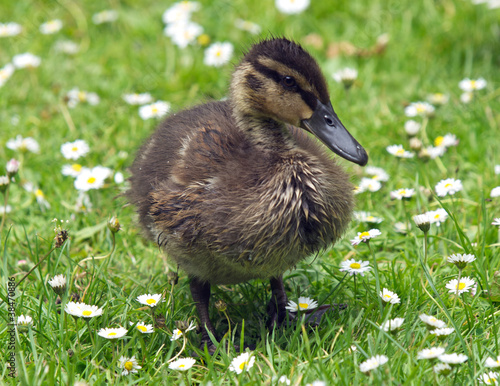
{"type": "Point", "coordinates": [233, 191]}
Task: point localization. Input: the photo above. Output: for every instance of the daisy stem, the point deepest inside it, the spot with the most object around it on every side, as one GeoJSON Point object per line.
{"type": "Point", "coordinates": [77, 334]}
{"type": "Point", "coordinates": [425, 246]}
{"type": "Point", "coordinates": [457, 293]}
{"type": "Point", "coordinates": [355, 288]}
{"type": "Point", "coordinates": [424, 131]}
{"type": "Point", "coordinates": [184, 341]}
{"type": "Point", "coordinates": [143, 346]}
{"type": "Point", "coordinates": [90, 333]}
{"type": "Point", "coordinates": [186, 378]}
{"type": "Point", "coordinates": [5, 200]}
{"type": "Point", "coordinates": [377, 281]}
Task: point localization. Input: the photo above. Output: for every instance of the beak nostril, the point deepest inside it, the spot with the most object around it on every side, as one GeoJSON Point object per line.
{"type": "Point", "coordinates": [329, 121]}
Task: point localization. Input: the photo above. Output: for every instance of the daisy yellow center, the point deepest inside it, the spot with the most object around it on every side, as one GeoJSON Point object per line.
{"type": "Point", "coordinates": [473, 84]}
{"type": "Point", "coordinates": [400, 152]}
{"type": "Point", "coordinates": [242, 365]}
{"type": "Point", "coordinates": [436, 216]}
{"type": "Point", "coordinates": [420, 108]}
{"type": "Point", "coordinates": [355, 266]}
{"type": "Point", "coordinates": [218, 53]}
{"type": "Point", "coordinates": [433, 319]}
{"type": "Point", "coordinates": [387, 296]}
{"type": "Point", "coordinates": [91, 180]}
{"type": "Point", "coordinates": [402, 192]}
{"type": "Point", "coordinates": [82, 96]}
{"type": "Point", "coordinates": [112, 334]}
{"type": "Point", "coordinates": [76, 167]}
{"type": "Point", "coordinates": [182, 366]}
{"type": "Point", "coordinates": [86, 313]}
{"type": "Point", "coordinates": [304, 306]}
{"type": "Point", "coordinates": [142, 328]}
{"type": "Point", "coordinates": [370, 218]}
{"type": "Point", "coordinates": [128, 365]}
{"type": "Point", "coordinates": [439, 140]}
{"type": "Point", "coordinates": [364, 234]}
{"type": "Point", "coordinates": [74, 148]}
{"type": "Point", "coordinates": [461, 286]}
{"type": "Point", "coordinates": [39, 193]}
{"type": "Point", "coordinates": [151, 301]}
{"type": "Point", "coordinates": [154, 109]}
{"type": "Point", "coordinates": [178, 333]}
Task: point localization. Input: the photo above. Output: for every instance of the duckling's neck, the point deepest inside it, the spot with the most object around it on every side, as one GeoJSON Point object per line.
{"type": "Point", "coordinates": [264, 132]}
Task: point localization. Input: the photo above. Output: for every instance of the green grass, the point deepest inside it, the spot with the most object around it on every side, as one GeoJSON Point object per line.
{"type": "Point", "coordinates": [433, 45]}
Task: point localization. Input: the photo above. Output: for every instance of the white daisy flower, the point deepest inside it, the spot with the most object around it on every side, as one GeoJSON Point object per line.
{"type": "Point", "coordinates": [495, 192]}
{"type": "Point", "coordinates": [91, 178]}
{"type": "Point", "coordinates": [24, 320]}
{"type": "Point", "coordinates": [26, 60]}
{"type": "Point", "coordinates": [470, 85]}
{"type": "Point", "coordinates": [242, 362]}
{"type": "Point", "coordinates": [51, 27]}
{"type": "Point", "coordinates": [290, 7]}
{"type": "Point", "coordinates": [180, 12]}
{"type": "Point", "coordinates": [138, 99]}
{"type": "Point", "coordinates": [442, 368]}
{"type": "Point", "coordinates": [399, 194]}
{"type": "Point", "coordinates": [247, 26]}
{"type": "Point", "coordinates": [150, 300]}
{"type": "Point", "coordinates": [419, 109]}
{"type": "Point", "coordinates": [107, 16]}
{"type": "Point", "coordinates": [58, 284]}
{"type": "Point", "coordinates": [442, 332]}
{"type": "Point", "coordinates": [4, 182]}
{"type": "Point", "coordinates": [12, 167]}
{"type": "Point", "coordinates": [369, 184]}
{"type": "Point", "coordinates": [72, 170]}
{"type": "Point", "coordinates": [430, 353]}
{"type": "Point", "coordinates": [398, 151]}
{"type": "Point", "coordinates": [176, 334]}
{"type": "Point", "coordinates": [389, 296]}
{"type": "Point", "coordinates": [129, 365]}
{"type": "Point", "coordinates": [466, 283]}
{"type": "Point", "coordinates": [218, 54]}
{"type": "Point", "coordinates": [355, 267]}
{"type": "Point", "coordinates": [347, 76]}
{"type": "Point", "coordinates": [435, 151]}
{"type": "Point", "coordinates": [489, 378]}
{"type": "Point", "coordinates": [392, 324]}
{"type": "Point", "coordinates": [143, 328]}
{"type": "Point", "coordinates": [157, 109]}
{"type": "Point", "coordinates": [438, 98]}
{"type": "Point", "coordinates": [76, 96]}
{"type": "Point", "coordinates": [412, 127]}
{"type": "Point", "coordinates": [112, 333]}
{"type": "Point", "coordinates": [466, 97]}
{"type": "Point", "coordinates": [422, 221]}
{"type": "Point", "coordinates": [365, 236]}
{"type": "Point", "coordinates": [40, 198]}
{"type": "Point", "coordinates": [461, 260]}
{"type": "Point", "coordinates": [377, 173]}
{"type": "Point", "coordinates": [304, 304]}
{"type": "Point", "coordinates": [82, 310]}
{"type": "Point", "coordinates": [437, 216]}
{"type": "Point", "coordinates": [118, 178]}
{"type": "Point", "coordinates": [448, 186]}
{"type": "Point", "coordinates": [447, 140]}
{"type": "Point", "coordinates": [431, 321]}
{"type": "Point", "coordinates": [10, 29]}
{"type": "Point", "coordinates": [496, 221]}
{"type": "Point", "coordinates": [284, 379]}
{"type": "Point", "coordinates": [453, 359]}
{"type": "Point", "coordinates": [415, 143]}
{"type": "Point", "coordinates": [5, 73]}
{"type": "Point", "coordinates": [23, 144]}
{"type": "Point", "coordinates": [497, 169]}
{"type": "Point", "coordinates": [492, 363]}
{"type": "Point", "coordinates": [74, 150]}
{"type": "Point", "coordinates": [372, 363]}
{"type": "Point", "coordinates": [67, 47]}
{"type": "Point", "coordinates": [183, 33]}
{"type": "Point", "coordinates": [182, 364]}
{"type": "Point", "coordinates": [362, 216]}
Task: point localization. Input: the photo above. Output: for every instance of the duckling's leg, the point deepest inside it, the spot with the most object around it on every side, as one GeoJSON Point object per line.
{"type": "Point", "coordinates": [276, 307]}
{"type": "Point", "coordinates": [200, 291]}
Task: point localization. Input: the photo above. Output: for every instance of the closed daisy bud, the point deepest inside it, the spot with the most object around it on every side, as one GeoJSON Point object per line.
{"type": "Point", "coordinates": [221, 305]}
{"type": "Point", "coordinates": [423, 222]}
{"type": "Point", "coordinates": [442, 368]}
{"type": "Point", "coordinates": [58, 284]}
{"type": "Point", "coordinates": [12, 167]}
{"type": "Point", "coordinates": [114, 224]}
{"type": "Point", "coordinates": [24, 323]}
{"type": "Point", "coordinates": [172, 277]}
{"type": "Point", "coordinates": [4, 183]}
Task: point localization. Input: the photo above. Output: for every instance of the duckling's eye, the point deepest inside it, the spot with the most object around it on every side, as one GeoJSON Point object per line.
{"type": "Point", "coordinates": [288, 82]}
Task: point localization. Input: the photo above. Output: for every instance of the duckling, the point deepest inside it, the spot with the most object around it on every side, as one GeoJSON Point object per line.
{"type": "Point", "coordinates": [236, 190]}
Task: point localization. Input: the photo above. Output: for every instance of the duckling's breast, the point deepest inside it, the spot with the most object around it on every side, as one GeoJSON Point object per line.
{"type": "Point", "coordinates": [254, 220]}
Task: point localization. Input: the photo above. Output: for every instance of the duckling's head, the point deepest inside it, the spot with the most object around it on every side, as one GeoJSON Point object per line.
{"type": "Point", "coordinates": [277, 79]}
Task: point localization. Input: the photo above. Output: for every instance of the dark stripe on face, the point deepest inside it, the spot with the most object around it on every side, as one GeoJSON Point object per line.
{"type": "Point", "coordinates": [308, 97]}
{"type": "Point", "coordinates": [253, 82]}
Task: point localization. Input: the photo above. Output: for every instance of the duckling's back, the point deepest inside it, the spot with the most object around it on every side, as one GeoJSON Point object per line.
{"type": "Point", "coordinates": [225, 209]}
